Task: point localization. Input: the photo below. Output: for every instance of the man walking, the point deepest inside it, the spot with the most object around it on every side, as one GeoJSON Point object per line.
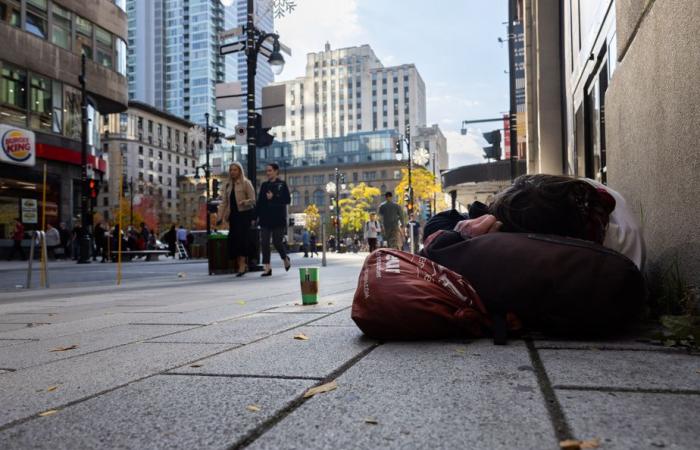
{"type": "Point", "coordinates": [182, 236]}
{"type": "Point", "coordinates": [305, 242]}
{"type": "Point", "coordinates": [273, 199]}
{"type": "Point", "coordinates": [391, 216]}
{"type": "Point", "coordinates": [17, 236]}
{"type": "Point", "coordinates": [372, 230]}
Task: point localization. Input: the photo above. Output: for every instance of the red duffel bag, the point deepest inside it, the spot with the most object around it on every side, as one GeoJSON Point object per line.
{"type": "Point", "coordinates": [404, 296]}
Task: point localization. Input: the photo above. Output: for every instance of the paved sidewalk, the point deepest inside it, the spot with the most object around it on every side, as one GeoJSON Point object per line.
{"type": "Point", "coordinates": [215, 364]}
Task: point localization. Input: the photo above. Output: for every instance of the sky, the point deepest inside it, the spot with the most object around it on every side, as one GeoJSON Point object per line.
{"type": "Point", "coordinates": [453, 43]}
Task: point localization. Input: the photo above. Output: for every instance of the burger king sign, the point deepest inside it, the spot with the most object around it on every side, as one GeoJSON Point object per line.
{"type": "Point", "coordinates": [17, 145]}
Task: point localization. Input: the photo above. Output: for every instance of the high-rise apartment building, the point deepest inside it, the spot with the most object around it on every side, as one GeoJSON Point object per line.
{"type": "Point", "coordinates": [174, 59]}
{"type": "Point", "coordinates": [349, 90]}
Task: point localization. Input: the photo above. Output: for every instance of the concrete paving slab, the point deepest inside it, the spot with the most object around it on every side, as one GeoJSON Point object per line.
{"type": "Point", "coordinates": [107, 320]}
{"type": "Point", "coordinates": [339, 319]}
{"type": "Point", "coordinates": [625, 420]}
{"type": "Point", "coordinates": [425, 395]}
{"type": "Point", "coordinates": [33, 353]}
{"type": "Point", "coordinates": [622, 369]}
{"type": "Point", "coordinates": [24, 393]}
{"type": "Point", "coordinates": [11, 342]}
{"type": "Point", "coordinates": [326, 304]}
{"type": "Point", "coordinates": [618, 344]}
{"type": "Point", "coordinates": [163, 412]}
{"type": "Point", "coordinates": [5, 327]}
{"type": "Point", "coordinates": [326, 350]}
{"type": "Point", "coordinates": [241, 330]}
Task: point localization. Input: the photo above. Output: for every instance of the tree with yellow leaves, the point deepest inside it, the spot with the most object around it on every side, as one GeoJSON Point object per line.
{"type": "Point", "coordinates": [313, 218]}
{"type": "Point", "coordinates": [124, 211]}
{"type": "Point", "coordinates": [354, 210]}
{"type": "Point", "coordinates": [425, 186]}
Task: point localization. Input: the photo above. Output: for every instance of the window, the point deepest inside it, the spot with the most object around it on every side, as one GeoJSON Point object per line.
{"type": "Point", "coordinates": [61, 27]}
{"type": "Point", "coordinates": [57, 107]}
{"type": "Point", "coordinates": [296, 198]}
{"type": "Point", "coordinates": [40, 104]}
{"type": "Point", "coordinates": [104, 47]}
{"type": "Point", "coordinates": [319, 198]}
{"type": "Point", "coordinates": [36, 21]}
{"type": "Point", "coordinates": [10, 12]}
{"type": "Point", "coordinates": [13, 94]}
{"type": "Point", "coordinates": [83, 36]}
{"type": "Point", "coordinates": [140, 150]}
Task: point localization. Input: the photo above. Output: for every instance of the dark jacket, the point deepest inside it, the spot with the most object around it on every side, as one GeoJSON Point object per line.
{"type": "Point", "coordinates": [273, 212]}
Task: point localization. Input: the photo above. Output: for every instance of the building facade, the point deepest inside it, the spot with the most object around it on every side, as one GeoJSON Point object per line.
{"type": "Point", "coordinates": [612, 95]}
{"type": "Point", "coordinates": [174, 61]}
{"type": "Point", "coordinates": [148, 150]}
{"type": "Point", "coordinates": [40, 65]}
{"type": "Point", "coordinates": [348, 90]}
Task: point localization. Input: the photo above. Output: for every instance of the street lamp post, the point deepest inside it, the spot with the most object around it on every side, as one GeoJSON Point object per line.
{"type": "Point", "coordinates": [131, 201]}
{"type": "Point", "coordinates": [84, 245]}
{"type": "Point", "coordinates": [254, 41]}
{"type": "Point", "coordinates": [210, 133]}
{"type": "Point", "coordinates": [335, 188]}
{"type": "Point", "coordinates": [399, 157]}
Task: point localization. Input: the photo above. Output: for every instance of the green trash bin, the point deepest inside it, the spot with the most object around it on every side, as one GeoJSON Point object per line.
{"type": "Point", "coordinates": [217, 255]}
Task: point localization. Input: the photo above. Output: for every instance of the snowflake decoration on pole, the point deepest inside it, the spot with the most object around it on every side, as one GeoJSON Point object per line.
{"type": "Point", "coordinates": [196, 134]}
{"type": "Point", "coordinates": [282, 7]}
{"type": "Point", "coordinates": [421, 156]}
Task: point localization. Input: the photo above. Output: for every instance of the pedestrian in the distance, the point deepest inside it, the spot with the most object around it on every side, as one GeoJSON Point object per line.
{"type": "Point", "coordinates": [237, 208]}
{"type": "Point", "coordinates": [182, 236]}
{"type": "Point", "coordinates": [65, 240]}
{"type": "Point", "coordinates": [312, 244]}
{"type": "Point", "coordinates": [170, 238]}
{"type": "Point", "coordinates": [391, 216]}
{"type": "Point", "coordinates": [272, 214]}
{"type": "Point", "coordinates": [17, 236]}
{"type": "Point", "coordinates": [100, 240]}
{"type": "Point", "coordinates": [372, 230]}
{"type": "Point", "coordinates": [53, 240]}
{"type": "Point", "coordinates": [305, 242]}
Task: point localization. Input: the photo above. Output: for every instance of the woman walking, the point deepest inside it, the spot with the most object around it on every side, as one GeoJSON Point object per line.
{"type": "Point", "coordinates": [272, 212]}
{"type": "Point", "coordinates": [237, 209]}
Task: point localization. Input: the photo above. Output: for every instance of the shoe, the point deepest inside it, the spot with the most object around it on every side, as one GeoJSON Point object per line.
{"type": "Point", "coordinates": [267, 274]}
{"type": "Point", "coordinates": [240, 274]}
{"type": "Point", "coordinates": [287, 264]}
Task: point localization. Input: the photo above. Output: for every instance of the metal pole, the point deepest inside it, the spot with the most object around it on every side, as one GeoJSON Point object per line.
{"type": "Point", "coordinates": [31, 260]}
{"type": "Point", "coordinates": [323, 243]}
{"type": "Point", "coordinates": [206, 172]}
{"type": "Point", "coordinates": [512, 11]}
{"type": "Point", "coordinates": [252, 69]}
{"type": "Point", "coordinates": [410, 168]}
{"type": "Point", "coordinates": [337, 210]}
{"type": "Point", "coordinates": [131, 199]}
{"type": "Point", "coordinates": [84, 246]}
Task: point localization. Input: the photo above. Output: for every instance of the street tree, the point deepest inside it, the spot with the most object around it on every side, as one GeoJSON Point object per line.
{"type": "Point", "coordinates": [355, 209]}
{"type": "Point", "coordinates": [313, 218]}
{"type": "Point", "coordinates": [426, 187]}
{"type": "Point", "coordinates": [124, 210]}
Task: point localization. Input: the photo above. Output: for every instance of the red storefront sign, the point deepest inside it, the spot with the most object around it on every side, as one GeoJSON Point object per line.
{"type": "Point", "coordinates": [506, 132]}
{"type": "Point", "coordinates": [54, 153]}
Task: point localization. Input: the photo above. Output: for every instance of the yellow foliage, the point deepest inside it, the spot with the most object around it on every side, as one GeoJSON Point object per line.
{"type": "Point", "coordinates": [425, 185]}
{"type": "Point", "coordinates": [354, 210]}
{"type": "Point", "coordinates": [313, 218]}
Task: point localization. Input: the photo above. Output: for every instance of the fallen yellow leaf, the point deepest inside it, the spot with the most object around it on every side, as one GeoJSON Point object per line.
{"type": "Point", "coordinates": [330, 303]}
{"type": "Point", "coordinates": [241, 302]}
{"type": "Point", "coordinates": [371, 421]}
{"type": "Point", "coordinates": [461, 350]}
{"type": "Point", "coordinates": [590, 443]}
{"type": "Point", "coordinates": [570, 444]}
{"type": "Point", "coordinates": [321, 389]}
{"type": "Point", "coordinates": [573, 444]}
{"type": "Point", "coordinates": [253, 408]}
{"type": "Point", "coordinates": [64, 349]}
{"type": "Point", "coordinates": [195, 365]}
{"type": "Point", "coordinates": [50, 412]}
{"type": "Point", "coordinates": [301, 337]}
{"type": "Point", "coordinates": [51, 388]}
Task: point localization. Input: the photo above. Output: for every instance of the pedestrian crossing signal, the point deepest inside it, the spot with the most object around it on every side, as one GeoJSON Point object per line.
{"type": "Point", "coordinates": [92, 188]}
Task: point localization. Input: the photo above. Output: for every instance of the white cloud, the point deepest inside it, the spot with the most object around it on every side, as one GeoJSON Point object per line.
{"type": "Point", "coordinates": [463, 150]}
{"type": "Point", "coordinates": [312, 24]}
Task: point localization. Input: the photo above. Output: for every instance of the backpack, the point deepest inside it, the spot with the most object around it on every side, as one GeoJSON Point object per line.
{"type": "Point", "coordinates": [405, 296]}
{"type": "Point", "coordinates": [553, 284]}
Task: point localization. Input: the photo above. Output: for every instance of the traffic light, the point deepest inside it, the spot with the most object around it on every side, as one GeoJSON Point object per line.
{"type": "Point", "coordinates": [397, 146]}
{"type": "Point", "coordinates": [215, 188]}
{"type": "Point", "coordinates": [262, 138]}
{"type": "Point", "coordinates": [93, 189]}
{"type": "Point", "coordinates": [494, 151]}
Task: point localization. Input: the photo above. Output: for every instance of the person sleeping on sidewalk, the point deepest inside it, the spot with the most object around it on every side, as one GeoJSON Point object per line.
{"type": "Point", "coordinates": [552, 204]}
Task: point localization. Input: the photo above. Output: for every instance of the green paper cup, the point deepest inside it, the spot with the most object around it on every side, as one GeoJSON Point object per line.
{"type": "Point", "coordinates": [309, 285]}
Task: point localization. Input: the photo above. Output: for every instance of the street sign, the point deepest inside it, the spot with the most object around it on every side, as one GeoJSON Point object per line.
{"type": "Point", "coordinates": [233, 32]}
{"type": "Point", "coordinates": [30, 210]}
{"type": "Point", "coordinates": [241, 134]}
{"type": "Point", "coordinates": [228, 96]}
{"type": "Point", "coordinates": [231, 48]}
{"type": "Point", "coordinates": [274, 109]}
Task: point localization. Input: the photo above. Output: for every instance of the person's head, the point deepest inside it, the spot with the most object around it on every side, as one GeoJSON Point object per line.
{"type": "Point", "coordinates": [172, 227]}
{"type": "Point", "coordinates": [553, 204]}
{"type": "Point", "coordinates": [372, 216]}
{"type": "Point", "coordinates": [62, 225]}
{"type": "Point", "coordinates": [235, 171]}
{"type": "Point", "coordinates": [272, 171]}
{"type": "Point", "coordinates": [16, 219]}
{"type": "Point", "coordinates": [388, 196]}
{"type": "Point", "coordinates": [143, 225]}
